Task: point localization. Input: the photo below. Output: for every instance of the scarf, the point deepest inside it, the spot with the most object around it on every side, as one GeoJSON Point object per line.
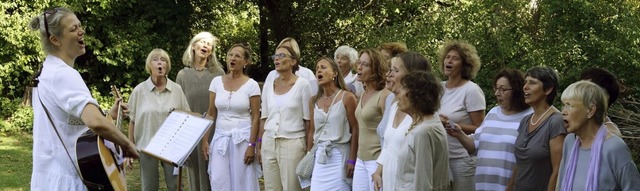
{"type": "Point", "coordinates": [594, 162]}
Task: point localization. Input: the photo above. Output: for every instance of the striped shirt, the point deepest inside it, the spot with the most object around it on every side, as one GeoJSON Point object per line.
{"type": "Point", "coordinates": [494, 141]}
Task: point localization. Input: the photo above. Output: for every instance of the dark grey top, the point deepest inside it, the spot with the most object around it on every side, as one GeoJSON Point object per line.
{"type": "Point", "coordinates": [533, 156]}
{"type": "Point", "coordinates": [195, 85]}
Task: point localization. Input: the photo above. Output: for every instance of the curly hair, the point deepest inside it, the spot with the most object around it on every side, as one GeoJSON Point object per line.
{"type": "Point", "coordinates": [604, 79]}
{"type": "Point", "coordinates": [516, 80]}
{"type": "Point", "coordinates": [394, 48]}
{"type": "Point", "coordinates": [379, 67]}
{"type": "Point", "coordinates": [424, 91]}
{"type": "Point", "coordinates": [469, 55]}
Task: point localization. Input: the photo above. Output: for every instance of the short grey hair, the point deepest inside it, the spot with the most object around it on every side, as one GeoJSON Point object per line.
{"type": "Point", "coordinates": [588, 93]}
{"type": "Point", "coordinates": [345, 50]}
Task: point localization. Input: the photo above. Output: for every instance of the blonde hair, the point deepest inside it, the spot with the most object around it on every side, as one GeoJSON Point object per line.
{"type": "Point", "coordinates": [294, 45]}
{"type": "Point", "coordinates": [212, 60]}
{"type": "Point", "coordinates": [53, 24]}
{"type": "Point", "coordinates": [469, 55]}
{"type": "Point", "coordinates": [162, 54]}
{"type": "Point", "coordinates": [588, 93]}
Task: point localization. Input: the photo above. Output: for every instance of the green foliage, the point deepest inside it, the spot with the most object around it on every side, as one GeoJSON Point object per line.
{"type": "Point", "coordinates": [569, 36]}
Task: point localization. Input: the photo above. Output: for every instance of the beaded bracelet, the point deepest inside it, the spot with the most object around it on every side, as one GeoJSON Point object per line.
{"type": "Point", "coordinates": [252, 144]}
{"type": "Point", "coordinates": [259, 140]}
{"type": "Point", "coordinates": [351, 161]}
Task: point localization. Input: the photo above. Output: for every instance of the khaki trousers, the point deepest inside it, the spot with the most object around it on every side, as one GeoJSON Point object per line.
{"type": "Point", "coordinates": [280, 157]}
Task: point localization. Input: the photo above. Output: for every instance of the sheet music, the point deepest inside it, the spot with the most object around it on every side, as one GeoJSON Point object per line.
{"type": "Point", "coordinates": [177, 137]}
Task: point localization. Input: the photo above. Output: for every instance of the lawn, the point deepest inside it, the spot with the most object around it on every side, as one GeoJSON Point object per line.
{"type": "Point", "coordinates": [15, 168]}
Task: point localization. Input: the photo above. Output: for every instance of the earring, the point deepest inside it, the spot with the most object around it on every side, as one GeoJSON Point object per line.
{"type": "Point", "coordinates": [333, 78]}
{"type": "Point", "coordinates": [245, 66]}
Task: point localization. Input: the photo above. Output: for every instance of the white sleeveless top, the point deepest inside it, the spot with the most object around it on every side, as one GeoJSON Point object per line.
{"type": "Point", "coordinates": [335, 127]}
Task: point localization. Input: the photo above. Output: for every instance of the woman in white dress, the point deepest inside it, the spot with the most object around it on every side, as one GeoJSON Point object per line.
{"type": "Point", "coordinates": [69, 104]}
{"type": "Point", "coordinates": [398, 122]}
{"type": "Point", "coordinates": [335, 129]}
{"type": "Point", "coordinates": [235, 106]}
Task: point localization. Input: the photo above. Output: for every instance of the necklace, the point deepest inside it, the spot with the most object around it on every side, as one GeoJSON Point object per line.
{"type": "Point", "coordinates": [534, 114]}
{"type": "Point", "coordinates": [328, 98]}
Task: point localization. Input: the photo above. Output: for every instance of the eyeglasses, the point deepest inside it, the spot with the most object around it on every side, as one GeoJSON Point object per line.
{"type": "Point", "coordinates": [46, 24]}
{"type": "Point", "coordinates": [279, 56]}
{"type": "Point", "coordinates": [501, 90]}
{"type": "Point", "coordinates": [363, 63]}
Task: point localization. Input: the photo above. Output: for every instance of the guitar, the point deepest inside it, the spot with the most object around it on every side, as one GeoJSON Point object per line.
{"type": "Point", "coordinates": [92, 152]}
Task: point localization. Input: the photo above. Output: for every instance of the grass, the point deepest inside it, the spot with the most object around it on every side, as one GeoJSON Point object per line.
{"type": "Point", "coordinates": [15, 154]}
{"type": "Point", "coordinates": [15, 168]}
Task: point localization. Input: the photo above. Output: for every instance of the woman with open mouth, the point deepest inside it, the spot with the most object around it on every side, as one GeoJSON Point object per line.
{"type": "Point", "coordinates": [62, 103]}
{"type": "Point", "coordinates": [593, 158]}
{"type": "Point", "coordinates": [371, 70]}
{"type": "Point", "coordinates": [463, 104]}
{"type": "Point", "coordinates": [335, 129]}
{"type": "Point", "coordinates": [201, 66]}
{"type": "Point", "coordinates": [398, 121]}
{"type": "Point", "coordinates": [346, 58]}
{"type": "Point", "coordinates": [494, 141]}
{"type": "Point", "coordinates": [234, 105]}
{"type": "Point", "coordinates": [538, 147]}
{"type": "Point", "coordinates": [149, 103]}
{"type": "Point", "coordinates": [284, 125]}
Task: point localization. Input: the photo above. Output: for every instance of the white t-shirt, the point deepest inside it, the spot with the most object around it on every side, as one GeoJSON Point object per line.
{"type": "Point", "coordinates": [65, 95]}
{"type": "Point", "coordinates": [456, 103]}
{"type": "Point", "coordinates": [303, 72]}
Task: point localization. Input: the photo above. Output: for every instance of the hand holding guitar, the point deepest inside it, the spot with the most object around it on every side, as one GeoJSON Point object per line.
{"type": "Point", "coordinates": [120, 110]}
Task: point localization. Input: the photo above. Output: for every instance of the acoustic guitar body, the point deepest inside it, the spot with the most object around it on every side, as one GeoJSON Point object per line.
{"type": "Point", "coordinates": [98, 164]}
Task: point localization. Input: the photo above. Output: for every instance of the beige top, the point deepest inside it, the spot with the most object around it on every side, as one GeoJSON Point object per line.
{"type": "Point", "coordinates": [423, 160]}
{"type": "Point", "coordinates": [369, 117]}
{"type": "Point", "coordinates": [195, 85]}
{"type": "Point", "coordinates": [149, 108]}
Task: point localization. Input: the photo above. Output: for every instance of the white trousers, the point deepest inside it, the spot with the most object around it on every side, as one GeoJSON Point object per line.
{"type": "Point", "coordinates": [362, 180]}
{"type": "Point", "coordinates": [329, 176]}
{"type": "Point", "coordinates": [228, 172]}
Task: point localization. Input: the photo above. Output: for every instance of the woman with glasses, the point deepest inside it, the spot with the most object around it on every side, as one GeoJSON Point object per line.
{"type": "Point", "coordinates": [303, 72]}
{"type": "Point", "coordinates": [62, 97]}
{"type": "Point", "coordinates": [149, 103]}
{"type": "Point", "coordinates": [284, 124]}
{"type": "Point", "coordinates": [493, 142]}
{"type": "Point", "coordinates": [201, 66]}
{"type": "Point", "coordinates": [346, 58]}
{"type": "Point", "coordinates": [399, 121]}
{"type": "Point", "coordinates": [540, 135]}
{"type": "Point", "coordinates": [462, 104]}
{"type": "Point", "coordinates": [235, 107]}
{"type": "Point", "coordinates": [371, 69]}
{"type": "Point", "coordinates": [335, 129]}
{"type": "Point", "coordinates": [592, 157]}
